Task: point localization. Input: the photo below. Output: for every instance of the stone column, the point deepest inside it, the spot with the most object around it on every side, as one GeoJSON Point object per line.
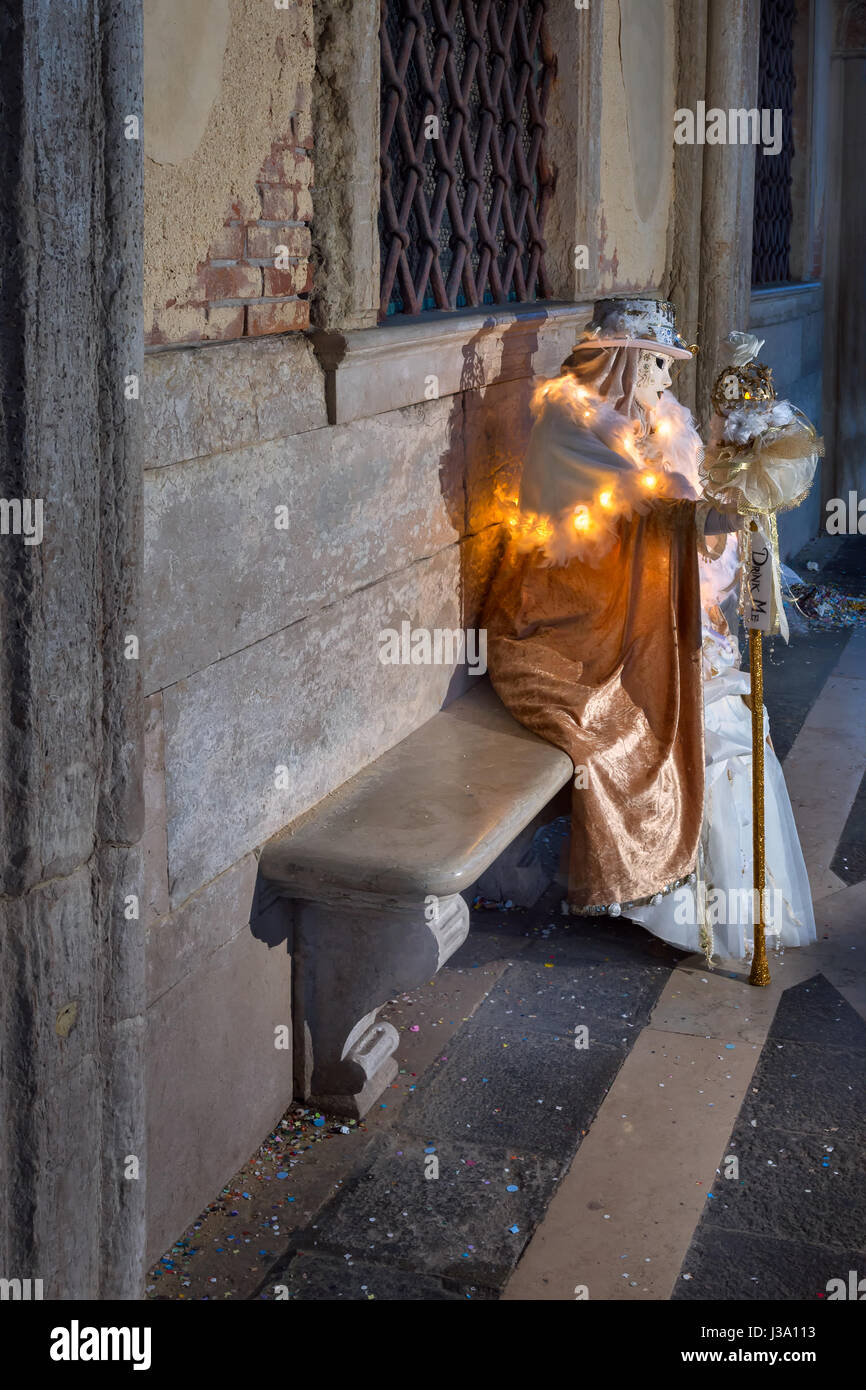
{"type": "Point", "coordinates": [71, 961]}
{"type": "Point", "coordinates": [683, 278]}
{"type": "Point", "coordinates": [573, 147]}
{"type": "Point", "coordinates": [728, 183]}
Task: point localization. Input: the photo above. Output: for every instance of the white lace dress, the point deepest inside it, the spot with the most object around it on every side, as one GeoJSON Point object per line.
{"type": "Point", "coordinates": [718, 915]}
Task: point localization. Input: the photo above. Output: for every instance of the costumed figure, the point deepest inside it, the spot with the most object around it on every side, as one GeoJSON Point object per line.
{"type": "Point", "coordinates": [611, 632]}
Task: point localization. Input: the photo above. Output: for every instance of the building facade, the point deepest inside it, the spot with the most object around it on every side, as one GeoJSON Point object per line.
{"type": "Point", "coordinates": [344, 309]}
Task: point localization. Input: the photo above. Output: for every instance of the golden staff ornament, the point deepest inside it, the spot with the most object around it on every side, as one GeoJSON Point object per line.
{"type": "Point", "coordinates": [760, 461]}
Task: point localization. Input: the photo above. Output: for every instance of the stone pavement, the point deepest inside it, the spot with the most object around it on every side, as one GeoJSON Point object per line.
{"type": "Point", "coordinates": [603, 1169]}
{"type": "Point", "coordinates": [794, 1217]}
{"type": "Point", "coordinates": [503, 1112]}
{"type": "Point", "coordinates": [491, 1086]}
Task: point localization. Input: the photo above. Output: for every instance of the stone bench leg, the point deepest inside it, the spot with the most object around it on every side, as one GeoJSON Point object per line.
{"type": "Point", "coordinates": [349, 958]}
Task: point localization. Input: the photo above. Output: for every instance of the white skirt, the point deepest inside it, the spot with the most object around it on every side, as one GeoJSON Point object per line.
{"type": "Point", "coordinates": [718, 914]}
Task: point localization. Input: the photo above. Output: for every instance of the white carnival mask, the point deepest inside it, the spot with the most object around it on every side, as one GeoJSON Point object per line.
{"type": "Point", "coordinates": [653, 378]}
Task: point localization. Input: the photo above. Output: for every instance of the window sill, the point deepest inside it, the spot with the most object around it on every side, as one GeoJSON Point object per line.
{"type": "Point", "coordinates": [371, 371]}
{"type": "Point", "coordinates": [781, 303]}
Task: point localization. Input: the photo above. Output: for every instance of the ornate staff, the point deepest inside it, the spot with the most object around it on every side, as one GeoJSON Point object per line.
{"type": "Point", "coordinates": [760, 461]}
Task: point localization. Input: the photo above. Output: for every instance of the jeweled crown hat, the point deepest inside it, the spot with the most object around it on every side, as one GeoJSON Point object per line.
{"type": "Point", "coordinates": [745, 383]}
{"type": "Point", "coordinates": [622, 321]}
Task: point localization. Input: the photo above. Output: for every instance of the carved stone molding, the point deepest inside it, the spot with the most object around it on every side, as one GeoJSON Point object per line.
{"type": "Point", "coordinates": [348, 960]}
{"type": "Point", "coordinates": [376, 370]}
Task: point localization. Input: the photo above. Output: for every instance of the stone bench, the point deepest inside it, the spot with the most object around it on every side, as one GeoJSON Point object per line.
{"type": "Point", "coordinates": [375, 872]}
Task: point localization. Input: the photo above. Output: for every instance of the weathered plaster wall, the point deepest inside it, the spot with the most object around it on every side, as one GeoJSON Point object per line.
{"type": "Point", "coordinates": [262, 650]}
{"type": "Point", "coordinates": [262, 642]}
{"type": "Point", "coordinates": [227, 137]}
{"type": "Point", "coordinates": [637, 149]}
{"type": "Point", "coordinates": [791, 323]}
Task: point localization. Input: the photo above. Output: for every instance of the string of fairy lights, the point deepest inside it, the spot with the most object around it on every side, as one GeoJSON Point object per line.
{"type": "Point", "coordinates": [594, 517]}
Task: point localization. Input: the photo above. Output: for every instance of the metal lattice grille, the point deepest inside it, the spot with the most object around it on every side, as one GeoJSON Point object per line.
{"type": "Point", "coordinates": [462, 207]}
{"type": "Point", "coordinates": [771, 244]}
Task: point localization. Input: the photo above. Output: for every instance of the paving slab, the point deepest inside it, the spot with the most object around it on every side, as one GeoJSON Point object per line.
{"type": "Point", "coordinates": [841, 918]}
{"type": "Point", "coordinates": [852, 662]}
{"type": "Point", "coordinates": [719, 1003]}
{"type": "Point", "coordinates": [611, 999]}
{"type": "Point", "coordinates": [533, 1091]}
{"type": "Point", "coordinates": [840, 951]}
{"type": "Point", "coordinates": [464, 1224]}
{"type": "Point", "coordinates": [849, 861]}
{"type": "Point", "coordinates": [734, 1266]}
{"type": "Point", "coordinates": [815, 1012]}
{"type": "Point", "coordinates": [794, 675]}
{"type": "Point", "coordinates": [804, 1187]}
{"type": "Point", "coordinates": [314, 1277]}
{"type": "Point", "coordinates": [840, 561]}
{"type": "Point", "coordinates": [823, 772]}
{"type": "Point", "coordinates": [624, 1213]}
{"type": "Point", "coordinates": [808, 1090]}
{"type": "Point", "coordinates": [798, 1195]}
{"type": "Point", "coordinates": [602, 938]}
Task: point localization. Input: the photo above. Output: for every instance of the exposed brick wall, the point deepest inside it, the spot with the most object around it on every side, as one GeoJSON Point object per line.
{"type": "Point", "coordinates": [239, 291]}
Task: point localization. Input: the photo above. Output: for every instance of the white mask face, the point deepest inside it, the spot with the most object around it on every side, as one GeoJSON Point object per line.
{"type": "Point", "coordinates": [653, 377]}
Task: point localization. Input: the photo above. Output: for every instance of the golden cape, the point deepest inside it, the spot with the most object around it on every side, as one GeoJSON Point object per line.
{"type": "Point", "coordinates": [604, 661]}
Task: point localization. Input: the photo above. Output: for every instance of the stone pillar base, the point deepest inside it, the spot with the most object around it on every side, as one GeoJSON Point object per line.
{"type": "Point", "coordinates": [351, 956]}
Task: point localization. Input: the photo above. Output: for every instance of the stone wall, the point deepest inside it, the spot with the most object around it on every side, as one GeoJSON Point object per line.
{"type": "Point", "coordinates": [277, 547]}
{"type": "Point", "coordinates": [228, 168]}
{"type": "Point", "coordinates": [302, 494]}
{"type": "Point", "coordinates": [791, 322]}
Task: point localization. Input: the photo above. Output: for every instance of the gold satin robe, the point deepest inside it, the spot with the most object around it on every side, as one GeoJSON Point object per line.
{"type": "Point", "coordinates": [604, 661]}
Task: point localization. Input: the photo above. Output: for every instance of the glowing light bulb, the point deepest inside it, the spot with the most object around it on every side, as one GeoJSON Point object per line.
{"type": "Point", "coordinates": [664, 428]}
{"type": "Point", "coordinates": [649, 480]}
{"type": "Point", "coordinates": [587, 413]}
{"type": "Point", "coordinates": [581, 519]}
{"type": "Point", "coordinates": [606, 499]}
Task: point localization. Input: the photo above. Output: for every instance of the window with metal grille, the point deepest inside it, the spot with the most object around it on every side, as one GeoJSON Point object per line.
{"type": "Point", "coordinates": [465, 180]}
{"type": "Point", "coordinates": [771, 243]}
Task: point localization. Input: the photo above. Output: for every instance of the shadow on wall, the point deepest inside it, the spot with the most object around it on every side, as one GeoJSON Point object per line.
{"type": "Point", "coordinates": [270, 915]}
{"type": "Point", "coordinates": [488, 430]}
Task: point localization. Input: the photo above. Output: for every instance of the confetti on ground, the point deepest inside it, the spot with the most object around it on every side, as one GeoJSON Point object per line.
{"type": "Point", "coordinates": [480, 904]}
{"type": "Point", "coordinates": [300, 1130]}
{"type": "Point", "coordinates": [825, 607]}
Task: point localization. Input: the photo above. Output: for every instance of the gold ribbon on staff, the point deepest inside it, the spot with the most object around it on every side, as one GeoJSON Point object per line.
{"type": "Point", "coordinates": [755, 472]}
{"type": "Point", "coordinates": [771, 472]}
